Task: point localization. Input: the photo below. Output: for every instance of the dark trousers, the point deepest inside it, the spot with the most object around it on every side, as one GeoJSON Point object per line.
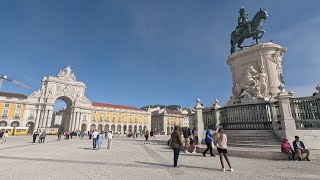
{"type": "Point", "coordinates": [176, 152]}
{"type": "Point", "coordinates": [209, 147]}
{"type": "Point", "coordinates": [34, 139]}
{"type": "Point", "coordinates": [94, 143]}
{"type": "Point", "coordinates": [293, 154]}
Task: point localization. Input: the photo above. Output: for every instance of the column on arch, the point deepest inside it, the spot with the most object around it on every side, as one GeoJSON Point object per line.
{"type": "Point", "coordinates": [78, 121]}
{"type": "Point", "coordinates": [74, 120]}
{"type": "Point", "coordinates": [36, 125]}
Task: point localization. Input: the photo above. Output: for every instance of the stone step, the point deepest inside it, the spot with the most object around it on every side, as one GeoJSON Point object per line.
{"type": "Point", "coordinates": [253, 139]}
{"type": "Point", "coordinates": [255, 142]}
{"type": "Point", "coordinates": [255, 145]}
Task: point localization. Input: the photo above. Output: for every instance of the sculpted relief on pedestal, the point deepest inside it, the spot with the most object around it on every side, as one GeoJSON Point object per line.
{"type": "Point", "coordinates": [252, 85]}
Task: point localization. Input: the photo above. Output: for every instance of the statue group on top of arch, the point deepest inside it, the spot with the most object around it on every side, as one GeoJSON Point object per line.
{"type": "Point", "coordinates": [67, 74]}
{"type": "Point", "coordinates": [253, 85]}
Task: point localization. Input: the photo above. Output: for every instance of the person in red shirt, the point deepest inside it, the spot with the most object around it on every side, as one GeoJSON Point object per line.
{"type": "Point", "coordinates": [286, 148]}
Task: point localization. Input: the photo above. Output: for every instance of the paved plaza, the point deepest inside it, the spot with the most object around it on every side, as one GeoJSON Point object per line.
{"type": "Point", "coordinates": [131, 159]}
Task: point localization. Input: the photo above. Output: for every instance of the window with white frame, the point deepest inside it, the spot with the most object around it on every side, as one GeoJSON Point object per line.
{"type": "Point", "coordinates": [18, 106]}
{"type": "Point", "coordinates": [17, 114]}
{"type": "Point", "coordinates": [5, 113]}
{"type": "Point", "coordinates": [6, 105]}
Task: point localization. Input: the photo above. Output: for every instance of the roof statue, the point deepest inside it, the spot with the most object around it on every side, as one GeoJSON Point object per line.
{"type": "Point", "coordinates": [67, 74]}
{"type": "Point", "coordinates": [248, 29]}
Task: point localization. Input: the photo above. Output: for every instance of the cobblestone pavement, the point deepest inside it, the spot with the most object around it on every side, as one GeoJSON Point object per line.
{"type": "Point", "coordinates": [131, 159]}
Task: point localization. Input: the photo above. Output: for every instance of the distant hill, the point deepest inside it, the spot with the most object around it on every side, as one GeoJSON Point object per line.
{"type": "Point", "coordinates": [169, 107]}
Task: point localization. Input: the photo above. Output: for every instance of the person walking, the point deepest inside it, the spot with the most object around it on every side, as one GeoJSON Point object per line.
{"type": "Point", "coordinates": [152, 135]}
{"type": "Point", "coordinates": [110, 136]}
{"type": "Point", "coordinates": [43, 136]}
{"type": "Point", "coordinates": [5, 136]}
{"type": "Point", "coordinates": [222, 149]}
{"type": "Point", "coordinates": [94, 139]}
{"type": "Point", "coordinates": [147, 137]}
{"type": "Point", "coordinates": [100, 139]}
{"type": "Point", "coordinates": [1, 134]}
{"type": "Point", "coordinates": [34, 136]}
{"type": "Point", "coordinates": [186, 136]}
{"type": "Point", "coordinates": [176, 145]}
{"type": "Point", "coordinates": [90, 135]}
{"type": "Point", "coordinates": [59, 135]}
{"type": "Point", "coordinates": [208, 139]}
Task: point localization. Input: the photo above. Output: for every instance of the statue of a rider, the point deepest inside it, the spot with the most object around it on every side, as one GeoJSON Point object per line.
{"type": "Point", "coordinates": [244, 26]}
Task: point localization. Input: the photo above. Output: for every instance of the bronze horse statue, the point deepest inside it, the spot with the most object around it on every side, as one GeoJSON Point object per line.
{"type": "Point", "coordinates": [239, 35]}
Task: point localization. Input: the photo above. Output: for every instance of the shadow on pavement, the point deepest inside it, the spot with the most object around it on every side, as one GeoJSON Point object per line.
{"type": "Point", "coordinates": [181, 165]}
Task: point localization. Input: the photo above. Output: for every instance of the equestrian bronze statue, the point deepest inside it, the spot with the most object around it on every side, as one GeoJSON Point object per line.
{"type": "Point", "coordinates": [247, 29]}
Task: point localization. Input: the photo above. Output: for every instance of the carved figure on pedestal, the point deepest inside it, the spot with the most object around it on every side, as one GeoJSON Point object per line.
{"type": "Point", "coordinates": [263, 82]}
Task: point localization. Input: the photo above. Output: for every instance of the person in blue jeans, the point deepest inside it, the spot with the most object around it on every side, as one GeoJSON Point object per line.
{"type": "Point", "coordinates": [208, 141]}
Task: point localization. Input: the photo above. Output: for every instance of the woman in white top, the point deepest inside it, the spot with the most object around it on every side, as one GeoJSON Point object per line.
{"type": "Point", "coordinates": [110, 136]}
{"type": "Point", "coordinates": [222, 149]}
{"type": "Point", "coordinates": [5, 136]}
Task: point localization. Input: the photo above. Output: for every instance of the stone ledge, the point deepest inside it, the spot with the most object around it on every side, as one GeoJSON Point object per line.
{"type": "Point", "coordinates": [256, 153]}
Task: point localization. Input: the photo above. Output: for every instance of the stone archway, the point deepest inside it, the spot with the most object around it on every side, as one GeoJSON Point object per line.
{"type": "Point", "coordinates": [106, 127]}
{"type": "Point", "coordinates": [93, 127]}
{"type": "Point", "coordinates": [61, 118]}
{"type": "Point", "coordinates": [140, 129]}
{"type": "Point", "coordinates": [3, 123]}
{"type": "Point", "coordinates": [30, 125]}
{"type": "Point", "coordinates": [15, 124]}
{"type": "Point", "coordinates": [130, 128]}
{"type": "Point", "coordinates": [99, 127]}
{"type": "Point", "coordinates": [144, 129]}
{"type": "Point", "coordinates": [113, 128]}
{"type": "Point", "coordinates": [135, 128]}
{"type": "Point", "coordinates": [83, 127]}
{"type": "Point", "coordinates": [124, 129]}
{"type": "Point", "coordinates": [119, 128]}
{"type": "Point", "coordinates": [63, 87]}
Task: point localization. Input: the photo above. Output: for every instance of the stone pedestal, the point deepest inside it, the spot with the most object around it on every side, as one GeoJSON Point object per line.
{"type": "Point", "coordinates": [256, 73]}
{"type": "Point", "coordinates": [199, 120]}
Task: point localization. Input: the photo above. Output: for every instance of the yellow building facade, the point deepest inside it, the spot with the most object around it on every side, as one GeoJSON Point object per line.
{"type": "Point", "coordinates": [37, 110]}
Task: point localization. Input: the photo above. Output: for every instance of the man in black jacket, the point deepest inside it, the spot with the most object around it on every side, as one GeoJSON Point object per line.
{"type": "Point", "coordinates": [300, 149]}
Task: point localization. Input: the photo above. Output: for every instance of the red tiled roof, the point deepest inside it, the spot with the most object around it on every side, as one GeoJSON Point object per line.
{"type": "Point", "coordinates": [13, 95]}
{"type": "Point", "coordinates": [116, 106]}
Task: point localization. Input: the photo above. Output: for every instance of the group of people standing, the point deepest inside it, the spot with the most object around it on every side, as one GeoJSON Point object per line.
{"type": "Point", "coordinates": [220, 139]}
{"type": "Point", "coordinates": [42, 136]}
{"type": "Point", "coordinates": [97, 139]}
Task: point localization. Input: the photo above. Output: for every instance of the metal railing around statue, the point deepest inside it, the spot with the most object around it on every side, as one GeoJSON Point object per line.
{"type": "Point", "coordinates": [305, 111]}
{"type": "Point", "coordinates": [246, 117]}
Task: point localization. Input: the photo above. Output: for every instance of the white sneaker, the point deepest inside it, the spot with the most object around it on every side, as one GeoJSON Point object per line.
{"type": "Point", "coordinates": [193, 152]}
{"type": "Point", "coordinates": [223, 169]}
{"type": "Point", "coordinates": [231, 170]}
{"type": "Point", "coordinates": [187, 152]}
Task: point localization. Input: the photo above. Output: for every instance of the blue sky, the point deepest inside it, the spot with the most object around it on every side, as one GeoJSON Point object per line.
{"type": "Point", "coordinates": [139, 52]}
